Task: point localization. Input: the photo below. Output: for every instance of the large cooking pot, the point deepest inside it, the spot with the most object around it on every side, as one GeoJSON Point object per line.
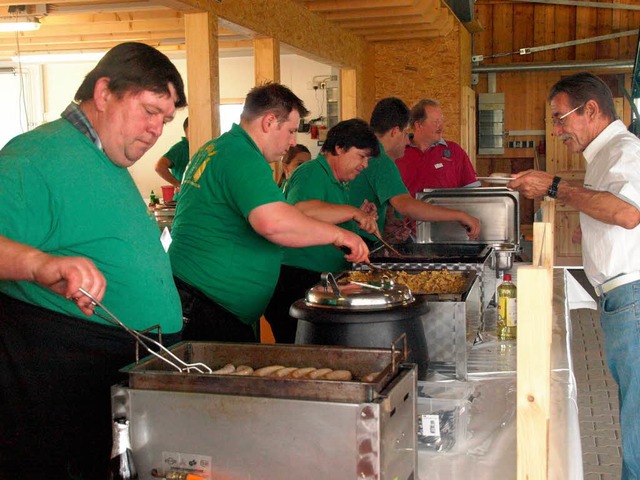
{"type": "Point", "coordinates": [371, 314]}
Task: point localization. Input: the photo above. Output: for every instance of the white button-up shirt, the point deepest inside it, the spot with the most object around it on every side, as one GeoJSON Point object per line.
{"type": "Point", "coordinates": [613, 165]}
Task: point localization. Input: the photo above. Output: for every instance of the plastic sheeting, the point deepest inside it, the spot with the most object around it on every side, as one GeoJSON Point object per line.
{"type": "Point", "coordinates": [488, 451]}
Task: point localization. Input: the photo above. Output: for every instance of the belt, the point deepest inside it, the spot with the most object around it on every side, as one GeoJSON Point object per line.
{"type": "Point", "coordinates": [617, 282]}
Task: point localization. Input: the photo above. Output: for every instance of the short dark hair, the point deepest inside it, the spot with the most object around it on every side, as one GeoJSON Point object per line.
{"type": "Point", "coordinates": [293, 151]}
{"type": "Point", "coordinates": [351, 133]}
{"type": "Point", "coordinates": [582, 87]}
{"type": "Point", "coordinates": [134, 67]}
{"type": "Point", "coordinates": [418, 113]}
{"type": "Point", "coordinates": [388, 113]}
{"type": "Point", "coordinates": [272, 97]}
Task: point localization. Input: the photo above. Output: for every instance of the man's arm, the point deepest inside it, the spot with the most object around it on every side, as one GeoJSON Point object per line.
{"type": "Point", "coordinates": [335, 214]}
{"type": "Point", "coordinates": [162, 168]}
{"type": "Point", "coordinates": [285, 225]}
{"type": "Point", "coordinates": [415, 209]}
{"type": "Point", "coordinates": [63, 275]}
{"type": "Point", "coordinates": [602, 206]}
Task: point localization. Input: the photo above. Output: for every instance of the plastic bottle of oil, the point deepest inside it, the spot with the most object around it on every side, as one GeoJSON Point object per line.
{"type": "Point", "coordinates": [507, 309]}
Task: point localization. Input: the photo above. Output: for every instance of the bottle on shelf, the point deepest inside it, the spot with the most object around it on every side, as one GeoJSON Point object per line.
{"type": "Point", "coordinates": [153, 200]}
{"type": "Point", "coordinates": [507, 309]}
{"type": "Point", "coordinates": [121, 466]}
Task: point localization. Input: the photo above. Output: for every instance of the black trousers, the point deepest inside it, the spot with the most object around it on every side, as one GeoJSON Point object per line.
{"type": "Point", "coordinates": [292, 285]}
{"type": "Point", "coordinates": [206, 320]}
{"type": "Point", "coordinates": [56, 374]}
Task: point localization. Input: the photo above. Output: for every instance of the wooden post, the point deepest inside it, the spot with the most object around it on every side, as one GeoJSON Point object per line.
{"type": "Point", "coordinates": [535, 295]}
{"type": "Point", "coordinates": [201, 31]}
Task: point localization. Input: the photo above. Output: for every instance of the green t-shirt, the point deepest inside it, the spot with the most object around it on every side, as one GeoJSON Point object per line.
{"type": "Point", "coordinates": [179, 156]}
{"type": "Point", "coordinates": [62, 195]}
{"type": "Point", "coordinates": [214, 247]}
{"type": "Point", "coordinates": [378, 183]}
{"type": "Point", "coordinates": [314, 180]}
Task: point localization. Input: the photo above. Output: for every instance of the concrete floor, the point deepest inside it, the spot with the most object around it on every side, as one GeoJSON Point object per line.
{"type": "Point", "coordinates": [597, 395]}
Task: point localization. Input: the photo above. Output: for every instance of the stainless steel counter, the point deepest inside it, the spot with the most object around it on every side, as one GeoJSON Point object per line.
{"type": "Point", "coordinates": [489, 447]}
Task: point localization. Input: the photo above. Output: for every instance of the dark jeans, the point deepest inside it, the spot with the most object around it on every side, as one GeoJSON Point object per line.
{"type": "Point", "coordinates": [293, 284]}
{"type": "Point", "coordinates": [206, 320]}
{"type": "Point", "coordinates": [56, 374]}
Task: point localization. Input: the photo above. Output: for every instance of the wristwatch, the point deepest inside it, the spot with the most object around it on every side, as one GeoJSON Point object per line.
{"type": "Point", "coordinates": [553, 188]}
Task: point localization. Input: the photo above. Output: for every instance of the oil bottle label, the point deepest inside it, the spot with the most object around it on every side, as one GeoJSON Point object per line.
{"type": "Point", "coordinates": [508, 310]}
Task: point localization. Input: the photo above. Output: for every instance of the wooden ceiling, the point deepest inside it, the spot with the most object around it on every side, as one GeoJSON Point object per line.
{"type": "Point", "coordinates": [69, 26]}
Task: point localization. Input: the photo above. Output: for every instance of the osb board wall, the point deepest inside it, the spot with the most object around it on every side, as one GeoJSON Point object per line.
{"type": "Point", "coordinates": [416, 69]}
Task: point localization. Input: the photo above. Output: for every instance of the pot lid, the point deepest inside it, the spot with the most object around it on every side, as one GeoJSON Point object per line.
{"type": "Point", "coordinates": [373, 295]}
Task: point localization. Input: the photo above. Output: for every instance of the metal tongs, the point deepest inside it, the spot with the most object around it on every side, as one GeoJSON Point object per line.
{"type": "Point", "coordinates": [143, 341]}
{"type": "Point", "coordinates": [391, 248]}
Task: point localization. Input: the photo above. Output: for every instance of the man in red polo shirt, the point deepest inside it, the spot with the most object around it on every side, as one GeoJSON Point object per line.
{"type": "Point", "coordinates": [430, 161]}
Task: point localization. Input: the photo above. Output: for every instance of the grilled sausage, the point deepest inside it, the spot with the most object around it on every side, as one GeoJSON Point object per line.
{"type": "Point", "coordinates": [301, 372]}
{"type": "Point", "coordinates": [266, 371]}
{"type": "Point", "coordinates": [319, 373]}
{"type": "Point", "coordinates": [339, 375]}
{"type": "Point", "coordinates": [226, 370]}
{"type": "Point", "coordinates": [243, 370]}
{"type": "Point", "coordinates": [369, 378]}
{"type": "Point", "coordinates": [284, 372]}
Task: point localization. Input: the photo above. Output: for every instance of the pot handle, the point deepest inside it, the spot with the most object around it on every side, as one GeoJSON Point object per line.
{"type": "Point", "coordinates": [402, 338]}
{"type": "Point", "coordinates": [328, 280]}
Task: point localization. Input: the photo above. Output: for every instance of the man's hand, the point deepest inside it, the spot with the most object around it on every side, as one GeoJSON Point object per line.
{"type": "Point", "coordinates": [531, 183]}
{"type": "Point", "coordinates": [65, 275]}
{"type": "Point", "coordinates": [354, 247]}
{"type": "Point", "coordinates": [472, 226]}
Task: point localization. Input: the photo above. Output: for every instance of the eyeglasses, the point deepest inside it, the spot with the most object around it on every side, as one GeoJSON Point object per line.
{"type": "Point", "coordinates": [559, 121]}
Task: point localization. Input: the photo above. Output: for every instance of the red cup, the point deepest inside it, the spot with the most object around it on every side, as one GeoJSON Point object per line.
{"type": "Point", "coordinates": [167, 193]}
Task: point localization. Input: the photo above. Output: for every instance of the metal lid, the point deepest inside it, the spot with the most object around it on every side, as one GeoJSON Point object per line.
{"type": "Point", "coordinates": [374, 295]}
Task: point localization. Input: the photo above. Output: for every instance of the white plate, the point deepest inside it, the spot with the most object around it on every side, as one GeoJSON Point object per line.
{"type": "Point", "coordinates": [496, 180]}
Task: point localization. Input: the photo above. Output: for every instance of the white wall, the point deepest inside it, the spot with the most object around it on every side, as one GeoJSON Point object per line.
{"type": "Point", "coordinates": [61, 80]}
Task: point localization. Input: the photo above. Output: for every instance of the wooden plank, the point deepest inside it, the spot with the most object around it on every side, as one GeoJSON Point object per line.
{"type": "Point", "coordinates": [266, 60]}
{"type": "Point", "coordinates": [533, 371]}
{"type": "Point", "coordinates": [523, 31]}
{"type": "Point", "coordinates": [348, 93]}
{"type": "Point", "coordinates": [586, 28]}
{"type": "Point", "coordinates": [564, 32]}
{"type": "Point", "coordinates": [503, 31]}
{"type": "Point", "coordinates": [201, 31]}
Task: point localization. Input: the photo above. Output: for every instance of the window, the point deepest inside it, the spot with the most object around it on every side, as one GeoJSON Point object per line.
{"type": "Point", "coordinates": [21, 101]}
{"type": "Point", "coordinates": [230, 111]}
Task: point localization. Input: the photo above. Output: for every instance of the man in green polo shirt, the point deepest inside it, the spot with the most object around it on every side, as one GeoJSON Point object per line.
{"type": "Point", "coordinates": [171, 165]}
{"type": "Point", "coordinates": [381, 183]}
{"type": "Point", "coordinates": [232, 220]}
{"type": "Point", "coordinates": [71, 217]}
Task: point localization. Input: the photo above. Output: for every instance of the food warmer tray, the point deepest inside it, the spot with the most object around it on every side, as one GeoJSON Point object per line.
{"type": "Point", "coordinates": [152, 373]}
{"type": "Point", "coordinates": [460, 296]}
{"type": "Point", "coordinates": [431, 253]}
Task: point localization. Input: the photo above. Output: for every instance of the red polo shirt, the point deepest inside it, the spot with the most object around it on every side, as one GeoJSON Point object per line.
{"type": "Point", "coordinates": [443, 165]}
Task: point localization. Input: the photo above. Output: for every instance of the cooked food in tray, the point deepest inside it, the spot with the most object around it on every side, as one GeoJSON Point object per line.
{"type": "Point", "coordinates": [422, 282]}
{"type": "Point", "coordinates": [280, 371]}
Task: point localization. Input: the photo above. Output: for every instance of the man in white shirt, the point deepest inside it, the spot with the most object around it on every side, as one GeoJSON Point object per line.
{"type": "Point", "coordinates": [584, 118]}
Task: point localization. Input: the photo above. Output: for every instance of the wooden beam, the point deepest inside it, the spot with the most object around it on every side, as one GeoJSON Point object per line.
{"type": "Point", "coordinates": [201, 32]}
{"type": "Point", "coordinates": [422, 7]}
{"type": "Point", "coordinates": [348, 93]}
{"type": "Point", "coordinates": [266, 60]}
{"type": "Point", "coordinates": [333, 5]}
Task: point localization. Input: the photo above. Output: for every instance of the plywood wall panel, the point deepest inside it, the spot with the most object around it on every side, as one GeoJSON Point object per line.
{"type": "Point", "coordinates": [431, 69]}
{"type": "Point", "coordinates": [503, 31]}
{"type": "Point", "coordinates": [586, 27]}
{"type": "Point", "coordinates": [522, 37]}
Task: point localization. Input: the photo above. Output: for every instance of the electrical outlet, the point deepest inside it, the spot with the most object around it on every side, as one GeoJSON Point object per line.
{"type": "Point", "coordinates": [323, 85]}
